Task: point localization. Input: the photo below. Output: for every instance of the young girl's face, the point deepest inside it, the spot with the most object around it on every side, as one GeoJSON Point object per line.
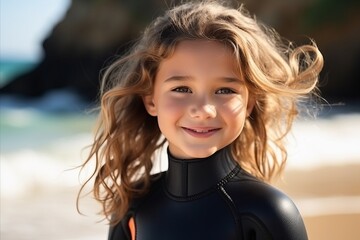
{"type": "Point", "coordinates": [199, 100]}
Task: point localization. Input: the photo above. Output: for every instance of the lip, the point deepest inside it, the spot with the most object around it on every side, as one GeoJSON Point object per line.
{"type": "Point", "coordinates": [201, 132]}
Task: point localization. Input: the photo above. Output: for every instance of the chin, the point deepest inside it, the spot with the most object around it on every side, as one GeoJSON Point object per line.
{"type": "Point", "coordinates": [201, 153]}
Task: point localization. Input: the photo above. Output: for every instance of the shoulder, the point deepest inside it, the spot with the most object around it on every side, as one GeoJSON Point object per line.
{"type": "Point", "coordinates": [248, 190]}
{"type": "Point", "coordinates": [155, 181]}
{"type": "Point", "coordinates": [261, 204]}
{"type": "Point", "coordinates": [121, 230]}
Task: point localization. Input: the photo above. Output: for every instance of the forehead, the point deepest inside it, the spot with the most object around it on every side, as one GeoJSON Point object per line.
{"type": "Point", "coordinates": [200, 54]}
{"type": "Point", "coordinates": [206, 48]}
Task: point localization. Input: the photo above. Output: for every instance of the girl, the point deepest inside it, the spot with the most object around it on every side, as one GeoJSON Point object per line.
{"type": "Point", "coordinates": [220, 91]}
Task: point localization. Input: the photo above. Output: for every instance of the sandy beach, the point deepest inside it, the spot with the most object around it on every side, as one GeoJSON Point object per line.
{"type": "Point", "coordinates": [329, 200]}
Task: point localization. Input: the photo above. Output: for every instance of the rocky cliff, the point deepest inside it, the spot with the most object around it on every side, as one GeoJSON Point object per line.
{"type": "Point", "coordinates": [93, 32]}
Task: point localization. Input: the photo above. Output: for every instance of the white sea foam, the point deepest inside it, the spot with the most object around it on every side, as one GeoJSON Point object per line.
{"type": "Point", "coordinates": [26, 170]}
{"type": "Point", "coordinates": [328, 141]}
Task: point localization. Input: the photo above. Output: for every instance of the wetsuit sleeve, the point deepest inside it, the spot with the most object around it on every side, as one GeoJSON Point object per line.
{"type": "Point", "coordinates": [289, 223]}
{"type": "Point", "coordinates": [267, 213]}
{"type": "Point", "coordinates": [277, 219]}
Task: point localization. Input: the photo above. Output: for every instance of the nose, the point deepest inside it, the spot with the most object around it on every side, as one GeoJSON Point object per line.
{"type": "Point", "coordinates": [202, 110]}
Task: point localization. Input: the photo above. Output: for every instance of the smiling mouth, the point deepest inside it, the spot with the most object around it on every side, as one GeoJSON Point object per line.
{"type": "Point", "coordinates": [201, 130]}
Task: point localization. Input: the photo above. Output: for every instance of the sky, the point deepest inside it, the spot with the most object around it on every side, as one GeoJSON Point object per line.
{"type": "Point", "coordinates": [24, 24]}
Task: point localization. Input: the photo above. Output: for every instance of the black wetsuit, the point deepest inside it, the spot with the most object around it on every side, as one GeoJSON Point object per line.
{"type": "Point", "coordinates": [212, 199]}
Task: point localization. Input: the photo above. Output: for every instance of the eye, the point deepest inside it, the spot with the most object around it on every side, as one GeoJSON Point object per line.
{"type": "Point", "coordinates": [182, 90]}
{"type": "Point", "coordinates": [224, 91]}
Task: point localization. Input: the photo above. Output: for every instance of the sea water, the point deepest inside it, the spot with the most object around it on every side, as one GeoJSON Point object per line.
{"type": "Point", "coordinates": [11, 68]}
{"type": "Point", "coordinates": [40, 138]}
{"type": "Point", "coordinates": [42, 141]}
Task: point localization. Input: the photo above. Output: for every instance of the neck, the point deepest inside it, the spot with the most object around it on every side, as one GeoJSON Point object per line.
{"type": "Point", "coordinates": [190, 177]}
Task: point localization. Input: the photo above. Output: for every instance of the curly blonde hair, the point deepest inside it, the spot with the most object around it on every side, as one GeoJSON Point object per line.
{"type": "Point", "coordinates": [277, 75]}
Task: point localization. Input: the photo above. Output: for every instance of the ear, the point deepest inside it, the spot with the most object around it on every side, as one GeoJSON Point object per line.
{"type": "Point", "coordinates": [250, 105]}
{"type": "Point", "coordinates": [149, 104]}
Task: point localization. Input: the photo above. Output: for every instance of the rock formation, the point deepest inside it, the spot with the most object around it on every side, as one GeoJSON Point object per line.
{"type": "Point", "coordinates": [93, 32]}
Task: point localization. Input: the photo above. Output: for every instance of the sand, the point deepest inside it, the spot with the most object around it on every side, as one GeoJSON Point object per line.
{"type": "Point", "coordinates": [329, 200]}
{"type": "Point", "coordinates": [329, 227]}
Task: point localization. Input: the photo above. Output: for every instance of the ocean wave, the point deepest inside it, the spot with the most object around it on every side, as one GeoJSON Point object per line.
{"type": "Point", "coordinates": [28, 171]}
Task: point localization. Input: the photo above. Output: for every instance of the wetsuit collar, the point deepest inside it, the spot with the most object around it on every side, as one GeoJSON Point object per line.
{"type": "Point", "coordinates": [189, 177]}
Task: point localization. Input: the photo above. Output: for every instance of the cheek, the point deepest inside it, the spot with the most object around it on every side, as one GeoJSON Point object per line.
{"type": "Point", "coordinates": [235, 107]}
{"type": "Point", "coordinates": [233, 113]}
{"type": "Point", "coordinates": [169, 111]}
{"type": "Point", "coordinates": [171, 105]}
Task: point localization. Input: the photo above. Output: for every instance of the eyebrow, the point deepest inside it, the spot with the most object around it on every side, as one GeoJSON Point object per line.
{"type": "Point", "coordinates": [185, 78]}
{"type": "Point", "coordinates": [178, 78]}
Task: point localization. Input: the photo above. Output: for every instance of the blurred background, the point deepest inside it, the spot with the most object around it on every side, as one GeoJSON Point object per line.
{"type": "Point", "coordinates": [51, 55]}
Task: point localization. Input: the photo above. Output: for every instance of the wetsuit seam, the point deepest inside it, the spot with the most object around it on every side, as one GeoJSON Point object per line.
{"type": "Point", "coordinates": [230, 203]}
{"type": "Point", "coordinates": [227, 178]}
{"type": "Point", "coordinates": [188, 198]}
